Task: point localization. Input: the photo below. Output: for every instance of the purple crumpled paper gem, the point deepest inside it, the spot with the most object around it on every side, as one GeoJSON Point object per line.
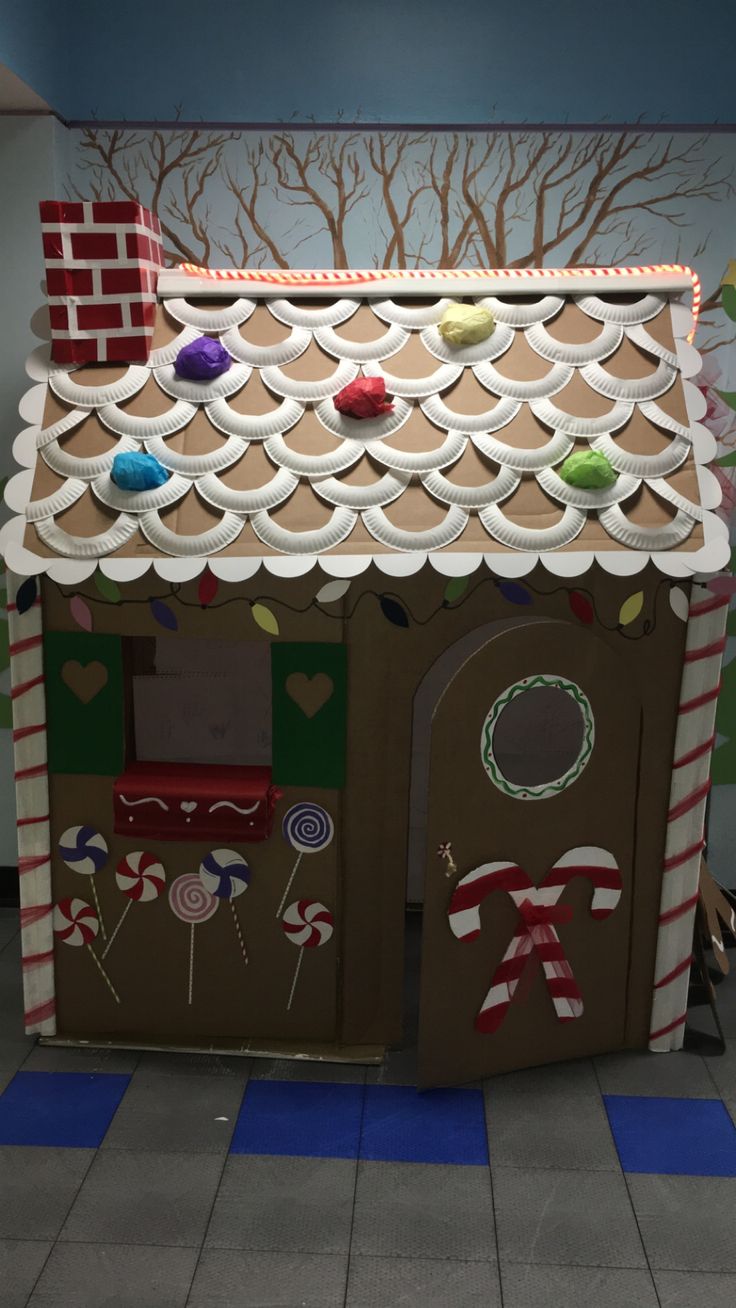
{"type": "Point", "coordinates": [202, 360]}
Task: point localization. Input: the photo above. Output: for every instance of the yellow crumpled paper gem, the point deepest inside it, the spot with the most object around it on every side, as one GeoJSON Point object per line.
{"type": "Point", "coordinates": [466, 324]}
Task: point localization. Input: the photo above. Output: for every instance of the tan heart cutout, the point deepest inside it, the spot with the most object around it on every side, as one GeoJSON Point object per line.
{"type": "Point", "coordinates": [84, 680]}
{"type": "Point", "coordinates": [309, 693]}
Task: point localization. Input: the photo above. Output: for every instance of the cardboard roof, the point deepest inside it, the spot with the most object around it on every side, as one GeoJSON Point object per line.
{"type": "Point", "coordinates": [265, 470]}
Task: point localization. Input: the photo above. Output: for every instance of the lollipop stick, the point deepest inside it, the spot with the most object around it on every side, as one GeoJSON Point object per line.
{"type": "Point", "coordinates": [99, 910]}
{"type": "Point", "coordinates": [104, 975]}
{"type": "Point", "coordinates": [296, 975]}
{"type": "Point", "coordinates": [285, 895]}
{"type": "Point", "coordinates": [238, 929]}
{"type": "Point", "coordinates": [121, 919]}
{"type": "Point", "coordinates": [191, 961]}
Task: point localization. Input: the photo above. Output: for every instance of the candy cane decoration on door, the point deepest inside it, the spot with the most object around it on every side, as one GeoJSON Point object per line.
{"type": "Point", "coordinates": [539, 912]}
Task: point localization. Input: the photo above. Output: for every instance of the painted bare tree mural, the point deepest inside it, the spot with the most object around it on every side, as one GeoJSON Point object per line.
{"type": "Point", "coordinates": [407, 199]}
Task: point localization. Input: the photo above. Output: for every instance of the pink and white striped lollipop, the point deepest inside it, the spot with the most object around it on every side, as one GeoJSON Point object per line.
{"type": "Point", "coordinates": [307, 924]}
{"type": "Point", "coordinates": [142, 878]}
{"type": "Point", "coordinates": [77, 924]}
{"type": "Point", "coordinates": [191, 902]}
{"type": "Point", "coordinates": [226, 875]}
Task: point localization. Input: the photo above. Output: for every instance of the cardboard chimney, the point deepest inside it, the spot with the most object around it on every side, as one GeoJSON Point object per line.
{"type": "Point", "coordinates": [102, 262]}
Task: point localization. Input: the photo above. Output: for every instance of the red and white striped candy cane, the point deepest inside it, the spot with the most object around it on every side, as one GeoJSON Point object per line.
{"type": "Point", "coordinates": [32, 800]}
{"type": "Point", "coordinates": [694, 740]}
{"type": "Point", "coordinates": [539, 911]}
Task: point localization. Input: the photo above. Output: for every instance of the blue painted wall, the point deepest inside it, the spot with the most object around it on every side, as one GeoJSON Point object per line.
{"type": "Point", "coordinates": [405, 61]}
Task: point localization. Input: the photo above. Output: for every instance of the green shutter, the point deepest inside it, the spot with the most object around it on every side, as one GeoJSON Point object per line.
{"type": "Point", "coordinates": [309, 714]}
{"type": "Point", "coordinates": [84, 703]}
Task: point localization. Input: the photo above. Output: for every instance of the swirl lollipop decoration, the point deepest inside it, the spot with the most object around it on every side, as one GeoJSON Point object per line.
{"type": "Point", "coordinates": [308, 828]}
{"type": "Point", "coordinates": [191, 902]}
{"type": "Point", "coordinates": [142, 878]}
{"type": "Point", "coordinates": [307, 924]}
{"type": "Point", "coordinates": [84, 850]}
{"type": "Point", "coordinates": [76, 923]}
{"type": "Point", "coordinates": [225, 874]}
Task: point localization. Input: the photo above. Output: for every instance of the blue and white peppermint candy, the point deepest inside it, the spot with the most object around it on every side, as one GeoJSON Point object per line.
{"type": "Point", "coordinates": [83, 850]}
{"type": "Point", "coordinates": [307, 827]}
{"type": "Point", "coordinates": [224, 873]}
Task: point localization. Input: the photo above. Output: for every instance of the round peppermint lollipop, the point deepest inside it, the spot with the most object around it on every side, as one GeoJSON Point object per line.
{"type": "Point", "coordinates": [84, 850]}
{"type": "Point", "coordinates": [308, 924]}
{"type": "Point", "coordinates": [142, 878]}
{"type": "Point", "coordinates": [308, 828]}
{"type": "Point", "coordinates": [191, 903]}
{"type": "Point", "coordinates": [225, 874]}
{"type": "Point", "coordinates": [76, 923]}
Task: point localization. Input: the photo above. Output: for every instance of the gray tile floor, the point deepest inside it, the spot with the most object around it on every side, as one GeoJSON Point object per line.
{"type": "Point", "coordinates": [160, 1216]}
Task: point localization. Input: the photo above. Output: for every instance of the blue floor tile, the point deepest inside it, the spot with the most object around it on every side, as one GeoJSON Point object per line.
{"type": "Point", "coordinates": [299, 1118]}
{"type": "Point", "coordinates": [66, 1109]}
{"type": "Point", "coordinates": [679, 1137]}
{"type": "Point", "coordinates": [402, 1125]}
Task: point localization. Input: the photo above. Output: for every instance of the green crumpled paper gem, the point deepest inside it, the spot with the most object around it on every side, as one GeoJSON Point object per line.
{"type": "Point", "coordinates": [589, 470]}
{"type": "Point", "coordinates": [465, 324]}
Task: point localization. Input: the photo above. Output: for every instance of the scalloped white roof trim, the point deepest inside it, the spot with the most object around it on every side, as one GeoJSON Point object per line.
{"type": "Point", "coordinates": [625, 315]}
{"type": "Point", "coordinates": [551, 416]}
{"type": "Point", "coordinates": [196, 465]}
{"type": "Point", "coordinates": [167, 353]}
{"type": "Point", "coordinates": [383, 491]}
{"type": "Point", "coordinates": [362, 351]}
{"type": "Point", "coordinates": [263, 356]}
{"type": "Point", "coordinates": [338, 528]}
{"type": "Point", "coordinates": [93, 397]}
{"type": "Point", "coordinates": [581, 498]}
{"type": "Point", "coordinates": [639, 335]}
{"type": "Point", "coordinates": [643, 465]}
{"type": "Point", "coordinates": [404, 316]}
{"type": "Point", "coordinates": [362, 429]}
{"type": "Point", "coordinates": [499, 341]}
{"type": "Point", "coordinates": [608, 339]}
{"type": "Point", "coordinates": [310, 391]}
{"type": "Point", "coordinates": [313, 465]}
{"type": "Point", "coordinates": [405, 461]}
{"type": "Point", "coordinates": [208, 542]}
{"type": "Point", "coordinates": [642, 538]}
{"type": "Point", "coordinates": [273, 492]}
{"type": "Point", "coordinates": [527, 538]}
{"type": "Point", "coordinates": [210, 320]}
{"type": "Point", "coordinates": [87, 547]}
{"type": "Point", "coordinates": [635, 388]}
{"type": "Point", "coordinates": [524, 460]}
{"type": "Point", "coordinates": [433, 538]}
{"type": "Point", "coordinates": [471, 497]}
{"type": "Point", "coordinates": [253, 426]}
{"type": "Point", "coordinates": [71, 465]}
{"type": "Point", "coordinates": [157, 497]}
{"type": "Point", "coordinates": [202, 392]}
{"type": "Point", "coordinates": [296, 315]}
{"type": "Point", "coordinates": [123, 423]}
{"type": "Point", "coordinates": [557, 377]}
{"type": "Point", "coordinates": [61, 499]}
{"type": "Point", "coordinates": [49, 435]}
{"type": "Point", "coordinates": [416, 388]}
{"type": "Point", "coordinates": [492, 420]}
{"type": "Point", "coordinates": [522, 314]}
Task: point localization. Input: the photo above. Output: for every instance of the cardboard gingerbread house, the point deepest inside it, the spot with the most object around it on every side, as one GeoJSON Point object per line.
{"type": "Point", "coordinates": [333, 663]}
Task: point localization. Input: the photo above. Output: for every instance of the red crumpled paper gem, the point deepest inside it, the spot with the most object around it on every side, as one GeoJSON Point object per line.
{"type": "Point", "coordinates": [363, 398]}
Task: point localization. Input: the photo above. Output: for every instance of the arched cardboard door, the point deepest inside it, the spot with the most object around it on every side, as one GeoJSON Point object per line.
{"type": "Point", "coordinates": [534, 754]}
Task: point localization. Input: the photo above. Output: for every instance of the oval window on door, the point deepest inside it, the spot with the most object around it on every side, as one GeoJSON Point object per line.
{"type": "Point", "coordinates": [537, 737]}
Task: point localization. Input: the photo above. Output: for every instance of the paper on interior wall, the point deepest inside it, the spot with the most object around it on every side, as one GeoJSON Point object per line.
{"type": "Point", "coordinates": [203, 718]}
{"type": "Point", "coordinates": [231, 658]}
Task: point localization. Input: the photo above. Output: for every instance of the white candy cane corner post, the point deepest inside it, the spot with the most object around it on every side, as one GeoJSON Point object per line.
{"type": "Point", "coordinates": [694, 740]}
{"type": "Point", "coordinates": [32, 799]}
